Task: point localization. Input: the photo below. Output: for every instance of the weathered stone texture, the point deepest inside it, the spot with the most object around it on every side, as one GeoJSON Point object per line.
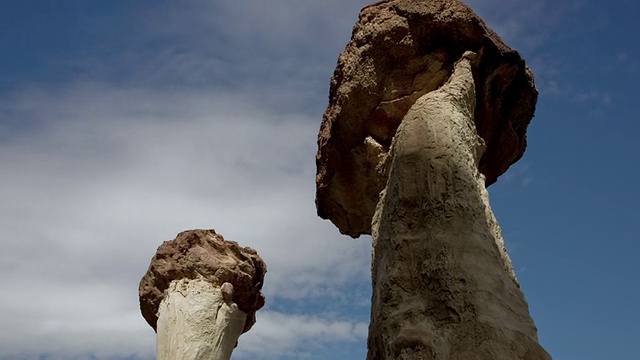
{"type": "Point", "coordinates": [427, 107]}
{"type": "Point", "coordinates": [440, 289]}
{"type": "Point", "coordinates": [399, 51]}
{"type": "Point", "coordinates": [197, 322]}
{"type": "Point", "coordinates": [204, 254]}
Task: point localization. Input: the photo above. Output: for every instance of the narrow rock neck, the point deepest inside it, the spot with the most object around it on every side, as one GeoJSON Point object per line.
{"type": "Point", "coordinates": [443, 286]}
{"type": "Point", "coordinates": [196, 323]}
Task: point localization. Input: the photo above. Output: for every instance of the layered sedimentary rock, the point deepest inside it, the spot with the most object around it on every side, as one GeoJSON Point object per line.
{"type": "Point", "coordinates": [399, 51]}
{"type": "Point", "coordinates": [200, 294]}
{"type": "Point", "coordinates": [427, 107]}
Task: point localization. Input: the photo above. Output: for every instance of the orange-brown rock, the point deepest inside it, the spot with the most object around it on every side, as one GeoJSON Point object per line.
{"type": "Point", "coordinates": [204, 255]}
{"type": "Point", "coordinates": [399, 51]}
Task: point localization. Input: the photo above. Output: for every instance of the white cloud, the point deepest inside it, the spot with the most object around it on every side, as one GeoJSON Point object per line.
{"type": "Point", "coordinates": [215, 127]}
{"type": "Point", "coordinates": [294, 335]}
{"type": "Point", "coordinates": [71, 320]}
{"type": "Point", "coordinates": [109, 173]}
{"type": "Point", "coordinates": [523, 25]}
{"type": "Point", "coordinates": [603, 98]}
{"type": "Point", "coordinates": [519, 175]}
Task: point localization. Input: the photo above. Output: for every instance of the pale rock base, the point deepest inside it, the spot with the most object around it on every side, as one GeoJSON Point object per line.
{"type": "Point", "coordinates": [196, 323]}
{"type": "Point", "coordinates": [443, 284]}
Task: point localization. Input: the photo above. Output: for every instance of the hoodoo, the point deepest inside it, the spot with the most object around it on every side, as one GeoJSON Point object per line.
{"type": "Point", "coordinates": [200, 294]}
{"type": "Point", "coordinates": [427, 107]}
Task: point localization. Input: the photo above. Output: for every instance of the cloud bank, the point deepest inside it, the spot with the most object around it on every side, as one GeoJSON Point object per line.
{"type": "Point", "coordinates": [205, 116]}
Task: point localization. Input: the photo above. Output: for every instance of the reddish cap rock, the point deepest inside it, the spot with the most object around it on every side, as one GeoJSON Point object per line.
{"type": "Point", "coordinates": [399, 51]}
{"type": "Point", "coordinates": [204, 254]}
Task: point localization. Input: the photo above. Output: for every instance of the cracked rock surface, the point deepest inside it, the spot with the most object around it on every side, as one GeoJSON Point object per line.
{"type": "Point", "coordinates": [399, 51]}
{"type": "Point", "coordinates": [427, 107]}
{"type": "Point", "coordinates": [204, 255]}
{"type": "Point", "coordinates": [443, 284]}
{"type": "Point", "coordinates": [197, 322]}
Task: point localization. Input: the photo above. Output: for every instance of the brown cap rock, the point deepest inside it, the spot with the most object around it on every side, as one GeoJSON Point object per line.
{"type": "Point", "coordinates": [204, 254]}
{"type": "Point", "coordinates": [399, 51]}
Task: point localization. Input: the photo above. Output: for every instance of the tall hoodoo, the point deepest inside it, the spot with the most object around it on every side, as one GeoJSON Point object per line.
{"type": "Point", "coordinates": [427, 107]}
{"type": "Point", "coordinates": [399, 51]}
{"type": "Point", "coordinates": [200, 294]}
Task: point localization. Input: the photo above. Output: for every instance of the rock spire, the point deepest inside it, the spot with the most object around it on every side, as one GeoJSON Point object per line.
{"type": "Point", "coordinates": [399, 51]}
{"type": "Point", "coordinates": [427, 107]}
{"type": "Point", "coordinates": [200, 294]}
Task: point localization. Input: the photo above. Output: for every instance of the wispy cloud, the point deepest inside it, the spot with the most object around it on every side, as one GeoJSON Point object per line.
{"type": "Point", "coordinates": [109, 173]}
{"type": "Point", "coordinates": [530, 26]}
{"type": "Point", "coordinates": [554, 79]}
{"type": "Point", "coordinates": [622, 61]}
{"type": "Point", "coordinates": [297, 336]}
{"type": "Point", "coordinates": [519, 175]}
{"type": "Point", "coordinates": [600, 97]}
{"type": "Point", "coordinates": [524, 25]}
{"type": "Point", "coordinates": [205, 117]}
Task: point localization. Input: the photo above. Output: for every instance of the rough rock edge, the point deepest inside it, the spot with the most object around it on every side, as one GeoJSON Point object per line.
{"type": "Point", "coordinates": [195, 322]}
{"type": "Point", "coordinates": [204, 254]}
{"type": "Point", "coordinates": [442, 285]}
{"type": "Point", "coordinates": [409, 46]}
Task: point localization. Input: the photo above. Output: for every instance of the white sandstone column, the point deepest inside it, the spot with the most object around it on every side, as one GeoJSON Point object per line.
{"type": "Point", "coordinates": [443, 284]}
{"type": "Point", "coordinates": [197, 320]}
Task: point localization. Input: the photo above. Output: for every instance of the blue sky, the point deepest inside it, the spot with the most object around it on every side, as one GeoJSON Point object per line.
{"type": "Point", "coordinates": [123, 123]}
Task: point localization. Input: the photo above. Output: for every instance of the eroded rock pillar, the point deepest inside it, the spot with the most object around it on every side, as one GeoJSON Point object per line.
{"type": "Point", "coordinates": [196, 322]}
{"type": "Point", "coordinates": [443, 285]}
{"type": "Point", "coordinates": [200, 293]}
